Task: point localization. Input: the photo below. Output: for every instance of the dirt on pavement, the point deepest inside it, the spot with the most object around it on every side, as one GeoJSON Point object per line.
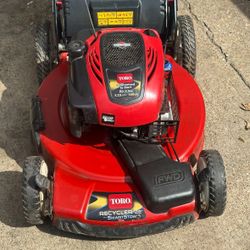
{"type": "Point", "coordinates": [223, 74]}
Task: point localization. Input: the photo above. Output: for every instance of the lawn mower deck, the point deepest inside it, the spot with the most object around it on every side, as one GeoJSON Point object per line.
{"type": "Point", "coordinates": [118, 125]}
{"type": "Point", "coordinates": [88, 173]}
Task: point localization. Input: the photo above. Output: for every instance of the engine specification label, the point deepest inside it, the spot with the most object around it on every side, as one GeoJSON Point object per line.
{"type": "Point", "coordinates": [115, 18]}
{"type": "Point", "coordinates": [114, 207]}
{"type": "Point", "coordinates": [124, 87]}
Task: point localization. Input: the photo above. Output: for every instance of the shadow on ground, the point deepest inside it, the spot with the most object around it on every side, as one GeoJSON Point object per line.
{"type": "Point", "coordinates": [17, 86]}
{"type": "Point", "coordinates": [11, 212]}
{"type": "Point", "coordinates": [243, 6]}
{"type": "Point", "coordinates": [17, 74]}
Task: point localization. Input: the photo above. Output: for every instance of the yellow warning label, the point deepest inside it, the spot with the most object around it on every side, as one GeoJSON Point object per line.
{"type": "Point", "coordinates": [114, 18]}
{"type": "Point", "coordinates": [102, 22]}
{"type": "Point", "coordinates": [106, 15]}
{"type": "Point", "coordinates": [128, 21]}
{"type": "Point", "coordinates": [125, 14]}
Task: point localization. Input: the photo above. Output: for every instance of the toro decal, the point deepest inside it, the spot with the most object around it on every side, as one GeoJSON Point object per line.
{"type": "Point", "coordinates": [125, 78]}
{"type": "Point", "coordinates": [114, 207]}
{"type": "Point", "coordinates": [120, 201]}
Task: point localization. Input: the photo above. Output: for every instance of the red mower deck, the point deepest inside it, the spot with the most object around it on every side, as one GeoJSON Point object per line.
{"type": "Point", "coordinates": [89, 165]}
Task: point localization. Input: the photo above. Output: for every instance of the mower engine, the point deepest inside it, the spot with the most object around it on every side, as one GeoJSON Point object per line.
{"type": "Point", "coordinates": [117, 80]}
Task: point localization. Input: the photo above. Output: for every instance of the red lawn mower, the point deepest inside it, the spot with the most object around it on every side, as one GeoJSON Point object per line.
{"type": "Point", "coordinates": [118, 122]}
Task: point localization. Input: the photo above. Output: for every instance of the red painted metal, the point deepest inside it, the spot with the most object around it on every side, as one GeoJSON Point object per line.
{"type": "Point", "coordinates": [86, 165]}
{"type": "Point", "coordinates": [59, 5]}
{"type": "Point", "coordinates": [63, 57]}
{"type": "Point", "coordinates": [71, 196]}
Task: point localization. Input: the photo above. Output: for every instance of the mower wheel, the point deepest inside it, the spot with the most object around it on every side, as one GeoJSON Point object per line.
{"type": "Point", "coordinates": [43, 50]}
{"type": "Point", "coordinates": [32, 196]}
{"type": "Point", "coordinates": [186, 44]}
{"type": "Point", "coordinates": [212, 183]}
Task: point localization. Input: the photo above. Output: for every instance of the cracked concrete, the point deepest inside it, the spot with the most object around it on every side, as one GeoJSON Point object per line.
{"type": "Point", "coordinates": [212, 39]}
{"type": "Point", "coordinates": [223, 92]}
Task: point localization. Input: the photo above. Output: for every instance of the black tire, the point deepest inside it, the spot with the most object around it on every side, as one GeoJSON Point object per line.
{"type": "Point", "coordinates": [32, 207]}
{"type": "Point", "coordinates": [44, 57]}
{"type": "Point", "coordinates": [212, 183]}
{"type": "Point", "coordinates": [186, 44]}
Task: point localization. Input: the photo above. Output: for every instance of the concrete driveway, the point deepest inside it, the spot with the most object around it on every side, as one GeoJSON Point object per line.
{"type": "Point", "coordinates": [223, 74]}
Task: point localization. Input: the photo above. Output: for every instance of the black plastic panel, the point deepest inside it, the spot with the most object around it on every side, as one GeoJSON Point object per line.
{"type": "Point", "coordinates": [121, 6]}
{"type": "Point", "coordinates": [123, 231]}
{"type": "Point", "coordinates": [37, 120]}
{"type": "Point", "coordinates": [122, 50]}
{"type": "Point", "coordinates": [80, 92]}
{"type": "Point", "coordinates": [163, 183]}
{"type": "Point", "coordinates": [147, 14]}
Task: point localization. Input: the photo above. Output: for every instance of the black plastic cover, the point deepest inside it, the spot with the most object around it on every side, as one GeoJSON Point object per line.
{"type": "Point", "coordinates": [113, 6]}
{"type": "Point", "coordinates": [147, 14]}
{"type": "Point", "coordinates": [37, 120]}
{"type": "Point", "coordinates": [80, 92]}
{"type": "Point", "coordinates": [76, 19]}
{"type": "Point", "coordinates": [122, 231]}
{"type": "Point", "coordinates": [163, 183]}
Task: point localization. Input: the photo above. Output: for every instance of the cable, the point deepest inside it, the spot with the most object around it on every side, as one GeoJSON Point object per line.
{"type": "Point", "coordinates": [175, 153]}
{"type": "Point", "coordinates": [90, 19]}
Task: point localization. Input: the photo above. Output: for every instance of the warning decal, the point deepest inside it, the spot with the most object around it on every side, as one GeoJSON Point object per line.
{"type": "Point", "coordinates": [115, 18]}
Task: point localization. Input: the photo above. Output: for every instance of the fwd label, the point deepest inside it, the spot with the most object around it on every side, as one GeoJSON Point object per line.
{"type": "Point", "coordinates": [168, 178]}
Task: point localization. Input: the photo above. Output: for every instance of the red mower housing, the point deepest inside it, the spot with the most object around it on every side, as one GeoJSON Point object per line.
{"type": "Point", "coordinates": [93, 192]}
{"type": "Point", "coordinates": [118, 123]}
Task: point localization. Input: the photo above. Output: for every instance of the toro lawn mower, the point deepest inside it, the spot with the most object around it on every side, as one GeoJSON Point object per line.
{"type": "Point", "coordinates": [118, 123]}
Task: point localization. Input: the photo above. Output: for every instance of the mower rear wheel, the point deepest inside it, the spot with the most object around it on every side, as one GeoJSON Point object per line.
{"type": "Point", "coordinates": [212, 183]}
{"type": "Point", "coordinates": [43, 47]}
{"type": "Point", "coordinates": [32, 196]}
{"type": "Point", "coordinates": [186, 44]}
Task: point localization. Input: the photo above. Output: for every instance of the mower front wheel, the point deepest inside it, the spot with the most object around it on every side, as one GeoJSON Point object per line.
{"type": "Point", "coordinates": [212, 183]}
{"type": "Point", "coordinates": [33, 197]}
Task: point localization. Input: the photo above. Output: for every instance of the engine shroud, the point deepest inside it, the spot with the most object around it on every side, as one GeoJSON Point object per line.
{"type": "Point", "coordinates": [123, 61]}
{"type": "Point", "coordinates": [126, 74]}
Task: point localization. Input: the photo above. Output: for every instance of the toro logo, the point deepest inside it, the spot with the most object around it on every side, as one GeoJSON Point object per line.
{"type": "Point", "coordinates": [120, 201]}
{"type": "Point", "coordinates": [125, 78]}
